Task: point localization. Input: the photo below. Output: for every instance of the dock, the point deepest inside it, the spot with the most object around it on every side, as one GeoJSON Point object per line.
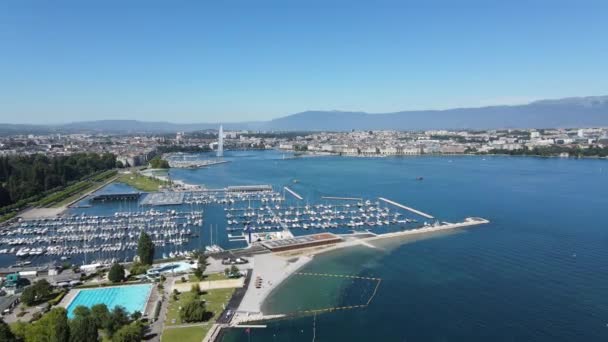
{"type": "Point", "coordinates": [293, 193]}
{"type": "Point", "coordinates": [342, 198]}
{"type": "Point", "coordinates": [468, 222]}
{"type": "Point", "coordinates": [249, 188]}
{"type": "Point", "coordinates": [128, 196]}
{"type": "Point", "coordinates": [418, 212]}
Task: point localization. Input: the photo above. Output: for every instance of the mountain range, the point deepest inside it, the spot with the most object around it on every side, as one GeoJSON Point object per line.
{"type": "Point", "coordinates": [570, 112]}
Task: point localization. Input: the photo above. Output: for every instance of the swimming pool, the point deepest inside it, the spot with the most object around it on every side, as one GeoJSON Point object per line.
{"type": "Point", "coordinates": [131, 297]}
{"type": "Point", "coordinates": [174, 267]}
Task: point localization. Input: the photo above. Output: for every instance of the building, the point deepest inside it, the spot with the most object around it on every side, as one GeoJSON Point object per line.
{"type": "Point", "coordinates": [301, 242]}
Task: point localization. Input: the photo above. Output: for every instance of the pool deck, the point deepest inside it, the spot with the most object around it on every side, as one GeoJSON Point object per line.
{"type": "Point", "coordinates": [73, 293]}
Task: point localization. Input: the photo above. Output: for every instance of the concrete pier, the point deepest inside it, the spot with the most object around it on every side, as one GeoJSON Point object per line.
{"type": "Point", "coordinates": [293, 193]}
{"type": "Point", "coordinates": [342, 198]}
{"type": "Point", "coordinates": [406, 208]}
{"type": "Point", "coordinates": [468, 222]}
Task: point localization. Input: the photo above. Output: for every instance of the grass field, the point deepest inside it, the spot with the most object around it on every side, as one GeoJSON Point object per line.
{"type": "Point", "coordinates": [141, 182]}
{"type": "Point", "coordinates": [208, 277]}
{"type": "Point", "coordinates": [215, 300]}
{"type": "Point", "coordinates": [187, 334]}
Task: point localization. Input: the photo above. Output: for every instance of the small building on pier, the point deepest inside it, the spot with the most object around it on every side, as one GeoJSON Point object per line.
{"type": "Point", "coordinates": [304, 241]}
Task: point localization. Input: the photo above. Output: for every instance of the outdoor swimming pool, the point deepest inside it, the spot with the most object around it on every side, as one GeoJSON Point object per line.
{"type": "Point", "coordinates": [174, 267]}
{"type": "Point", "coordinates": [131, 297]}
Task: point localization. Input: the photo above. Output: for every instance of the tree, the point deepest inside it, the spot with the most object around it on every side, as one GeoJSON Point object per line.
{"type": "Point", "coordinates": [133, 332]}
{"type": "Point", "coordinates": [234, 271]}
{"type": "Point", "coordinates": [136, 315]}
{"type": "Point", "coordinates": [39, 290]}
{"type": "Point", "coordinates": [201, 265]}
{"type": "Point", "coordinates": [196, 289]}
{"type": "Point", "coordinates": [145, 249]}
{"type": "Point", "coordinates": [5, 197]}
{"type": "Point", "coordinates": [81, 311]}
{"type": "Point", "coordinates": [100, 315]}
{"type": "Point", "coordinates": [158, 163]}
{"type": "Point", "coordinates": [198, 273]}
{"type": "Point", "coordinates": [193, 311]}
{"type": "Point", "coordinates": [138, 268]}
{"type": "Point", "coordinates": [117, 273]}
{"type": "Point", "coordinates": [83, 328]}
{"type": "Point", "coordinates": [6, 334]}
{"type": "Point", "coordinates": [28, 296]}
{"type": "Point", "coordinates": [52, 327]}
{"type": "Point", "coordinates": [116, 319]}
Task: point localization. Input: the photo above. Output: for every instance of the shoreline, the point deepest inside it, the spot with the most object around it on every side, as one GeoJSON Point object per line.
{"type": "Point", "coordinates": [336, 154]}
{"type": "Point", "coordinates": [181, 185]}
{"type": "Point", "coordinates": [252, 310]}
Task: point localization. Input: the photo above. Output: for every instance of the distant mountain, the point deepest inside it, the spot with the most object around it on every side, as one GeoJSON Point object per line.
{"type": "Point", "coordinates": [567, 112]}
{"type": "Point", "coordinates": [118, 127]}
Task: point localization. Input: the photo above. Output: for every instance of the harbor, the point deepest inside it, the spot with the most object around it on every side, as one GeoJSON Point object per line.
{"type": "Point", "coordinates": [275, 228]}
{"type": "Point", "coordinates": [214, 220]}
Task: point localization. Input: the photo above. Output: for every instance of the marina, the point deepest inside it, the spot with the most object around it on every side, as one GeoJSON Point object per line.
{"type": "Point", "coordinates": [251, 214]}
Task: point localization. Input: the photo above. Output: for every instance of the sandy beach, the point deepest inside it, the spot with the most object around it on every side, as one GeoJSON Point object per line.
{"type": "Point", "coordinates": [274, 268]}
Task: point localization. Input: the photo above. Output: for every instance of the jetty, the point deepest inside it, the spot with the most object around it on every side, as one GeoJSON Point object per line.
{"type": "Point", "coordinates": [195, 164]}
{"type": "Point", "coordinates": [293, 193]}
{"type": "Point", "coordinates": [418, 212]}
{"type": "Point", "coordinates": [342, 198]}
{"type": "Point", "coordinates": [468, 222]}
{"type": "Point", "coordinates": [125, 196]}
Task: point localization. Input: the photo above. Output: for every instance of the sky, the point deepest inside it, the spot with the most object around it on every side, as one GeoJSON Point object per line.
{"type": "Point", "coordinates": [231, 61]}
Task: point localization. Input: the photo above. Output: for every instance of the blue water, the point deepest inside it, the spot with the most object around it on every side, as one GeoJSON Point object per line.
{"type": "Point", "coordinates": [132, 298]}
{"type": "Point", "coordinates": [537, 272]}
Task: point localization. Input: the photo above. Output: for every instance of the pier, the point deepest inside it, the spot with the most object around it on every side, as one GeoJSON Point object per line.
{"type": "Point", "coordinates": [195, 164]}
{"type": "Point", "coordinates": [249, 188]}
{"type": "Point", "coordinates": [128, 196]}
{"type": "Point", "coordinates": [342, 198]}
{"type": "Point", "coordinates": [406, 208]}
{"type": "Point", "coordinates": [468, 222]}
{"type": "Point", "coordinates": [293, 193]}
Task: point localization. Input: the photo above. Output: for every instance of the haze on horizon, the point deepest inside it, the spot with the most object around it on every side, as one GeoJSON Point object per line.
{"type": "Point", "coordinates": [70, 61]}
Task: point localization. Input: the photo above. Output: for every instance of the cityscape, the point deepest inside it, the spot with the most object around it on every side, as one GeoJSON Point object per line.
{"type": "Point", "coordinates": [136, 150]}
{"type": "Point", "coordinates": [319, 171]}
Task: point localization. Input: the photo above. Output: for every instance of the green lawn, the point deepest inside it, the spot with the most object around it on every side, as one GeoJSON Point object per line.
{"type": "Point", "coordinates": [140, 182]}
{"type": "Point", "coordinates": [188, 334]}
{"type": "Point", "coordinates": [215, 300]}
{"type": "Point", "coordinates": [77, 190]}
{"type": "Point", "coordinates": [208, 277]}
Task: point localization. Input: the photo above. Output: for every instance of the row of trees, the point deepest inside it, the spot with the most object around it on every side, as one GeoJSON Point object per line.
{"type": "Point", "coordinates": [24, 176]}
{"type": "Point", "coordinates": [555, 150]}
{"type": "Point", "coordinates": [182, 148]}
{"type": "Point", "coordinates": [158, 163]}
{"type": "Point", "coordinates": [85, 326]}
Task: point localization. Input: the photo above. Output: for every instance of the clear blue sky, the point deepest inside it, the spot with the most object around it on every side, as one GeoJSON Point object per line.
{"type": "Point", "coordinates": [207, 61]}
